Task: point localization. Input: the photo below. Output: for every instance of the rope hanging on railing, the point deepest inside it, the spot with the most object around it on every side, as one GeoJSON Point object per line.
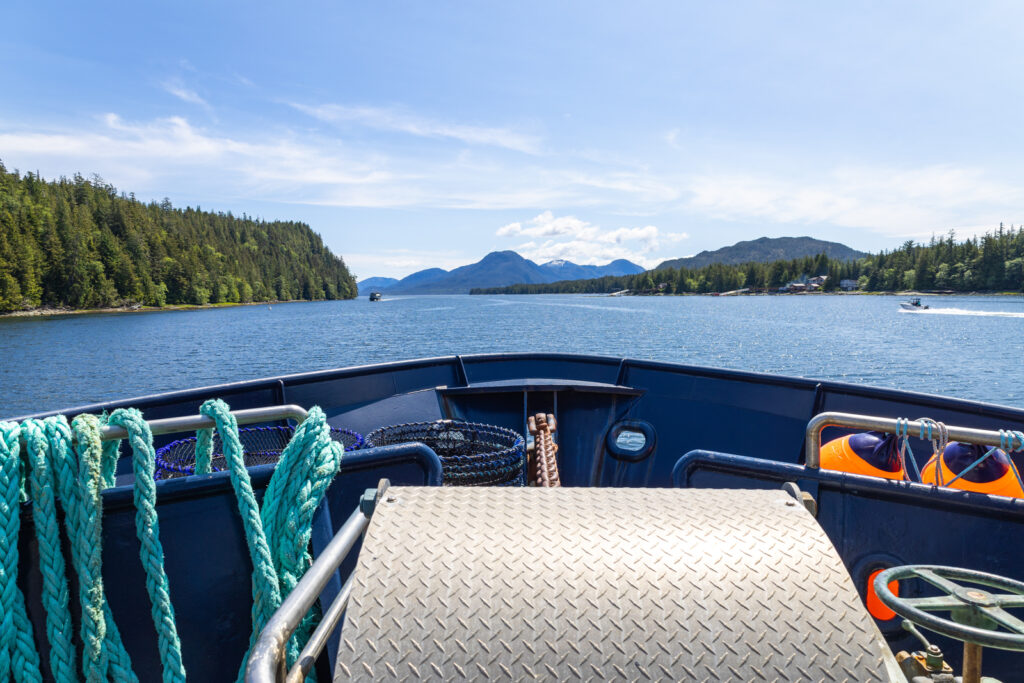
{"type": "Point", "coordinates": [151, 551]}
{"type": "Point", "coordinates": [41, 438]}
{"type": "Point", "coordinates": [905, 452]}
{"type": "Point", "coordinates": [18, 657]}
{"type": "Point", "coordinates": [104, 652]}
{"type": "Point", "coordinates": [307, 467]}
{"type": "Point", "coordinates": [71, 464]}
{"type": "Point", "coordinates": [938, 435]}
{"type": "Point", "coordinates": [544, 465]}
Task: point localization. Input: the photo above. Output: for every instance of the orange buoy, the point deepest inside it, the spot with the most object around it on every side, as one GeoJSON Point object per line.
{"type": "Point", "coordinates": [874, 604]}
{"type": "Point", "coordinates": [869, 453]}
{"type": "Point", "coordinates": [994, 475]}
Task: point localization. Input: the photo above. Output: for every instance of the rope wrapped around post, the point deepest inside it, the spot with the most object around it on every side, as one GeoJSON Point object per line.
{"type": "Point", "coordinates": [544, 465]}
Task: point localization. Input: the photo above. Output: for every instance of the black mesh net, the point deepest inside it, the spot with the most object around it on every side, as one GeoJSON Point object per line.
{"type": "Point", "coordinates": [471, 454]}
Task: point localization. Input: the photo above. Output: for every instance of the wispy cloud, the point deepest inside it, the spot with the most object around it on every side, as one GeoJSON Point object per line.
{"type": "Point", "coordinates": [173, 155]}
{"type": "Point", "coordinates": [389, 119]}
{"type": "Point", "coordinates": [175, 87]}
{"type": "Point", "coordinates": [895, 202]}
{"type": "Point", "coordinates": [579, 241]}
{"type": "Point", "coordinates": [128, 154]}
{"type": "Point", "coordinates": [299, 167]}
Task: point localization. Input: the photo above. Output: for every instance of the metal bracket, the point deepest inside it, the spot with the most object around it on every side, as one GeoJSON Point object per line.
{"type": "Point", "coordinates": [368, 501]}
{"type": "Point", "coordinates": [802, 497]}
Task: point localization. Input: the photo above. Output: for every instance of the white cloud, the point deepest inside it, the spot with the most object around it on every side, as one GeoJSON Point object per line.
{"type": "Point", "coordinates": [178, 89]}
{"type": "Point", "coordinates": [896, 202]}
{"type": "Point", "coordinates": [587, 244]}
{"type": "Point", "coordinates": [388, 119]}
{"type": "Point", "coordinates": [169, 156]}
{"type": "Point", "coordinates": [172, 156]}
{"type": "Point", "coordinates": [274, 168]}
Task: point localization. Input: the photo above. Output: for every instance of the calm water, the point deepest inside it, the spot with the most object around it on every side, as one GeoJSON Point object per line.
{"type": "Point", "coordinates": [968, 347]}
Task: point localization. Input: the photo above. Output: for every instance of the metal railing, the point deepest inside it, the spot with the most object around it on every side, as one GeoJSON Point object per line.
{"type": "Point", "coordinates": [812, 439]}
{"type": "Point", "coordinates": [187, 423]}
{"type": "Point", "coordinates": [267, 661]}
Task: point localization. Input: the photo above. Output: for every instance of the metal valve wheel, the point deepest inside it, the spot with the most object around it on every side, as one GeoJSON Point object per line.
{"type": "Point", "coordinates": [977, 616]}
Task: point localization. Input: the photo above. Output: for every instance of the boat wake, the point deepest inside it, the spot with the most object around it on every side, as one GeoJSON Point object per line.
{"type": "Point", "coordinates": [964, 311]}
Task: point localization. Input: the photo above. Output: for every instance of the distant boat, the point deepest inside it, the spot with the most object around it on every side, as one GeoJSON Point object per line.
{"type": "Point", "coordinates": [913, 305]}
{"type": "Point", "coordinates": [376, 296]}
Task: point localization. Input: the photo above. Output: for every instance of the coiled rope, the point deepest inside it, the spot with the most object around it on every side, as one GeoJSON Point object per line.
{"type": "Point", "coordinates": [71, 464]}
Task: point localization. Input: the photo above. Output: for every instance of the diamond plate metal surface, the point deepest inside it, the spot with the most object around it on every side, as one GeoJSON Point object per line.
{"type": "Point", "coordinates": [603, 584]}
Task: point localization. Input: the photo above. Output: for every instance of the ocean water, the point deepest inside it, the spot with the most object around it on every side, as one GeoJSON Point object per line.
{"type": "Point", "coordinates": [967, 347]}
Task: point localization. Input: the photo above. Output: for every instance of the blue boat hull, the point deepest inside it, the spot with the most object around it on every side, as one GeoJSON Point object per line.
{"type": "Point", "coordinates": [721, 415]}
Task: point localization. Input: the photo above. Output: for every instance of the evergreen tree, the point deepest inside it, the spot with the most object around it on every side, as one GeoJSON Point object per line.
{"type": "Point", "coordinates": [77, 243]}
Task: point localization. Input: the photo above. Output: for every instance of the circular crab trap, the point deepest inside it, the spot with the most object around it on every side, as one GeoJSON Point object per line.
{"type": "Point", "coordinates": [471, 454]}
{"type": "Point", "coordinates": [262, 445]}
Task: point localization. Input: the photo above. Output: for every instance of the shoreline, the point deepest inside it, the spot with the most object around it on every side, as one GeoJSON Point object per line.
{"type": "Point", "coordinates": [55, 312]}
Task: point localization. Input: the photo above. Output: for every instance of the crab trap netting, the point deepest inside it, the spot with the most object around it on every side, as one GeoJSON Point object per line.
{"type": "Point", "coordinates": [262, 446]}
{"type": "Point", "coordinates": [471, 454]}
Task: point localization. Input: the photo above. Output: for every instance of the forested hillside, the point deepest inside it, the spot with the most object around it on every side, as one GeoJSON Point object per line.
{"type": "Point", "coordinates": [78, 243]}
{"type": "Point", "coordinates": [994, 262]}
{"type": "Point", "coordinates": [766, 250]}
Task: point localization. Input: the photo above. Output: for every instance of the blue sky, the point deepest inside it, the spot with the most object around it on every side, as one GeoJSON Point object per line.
{"type": "Point", "coordinates": [413, 135]}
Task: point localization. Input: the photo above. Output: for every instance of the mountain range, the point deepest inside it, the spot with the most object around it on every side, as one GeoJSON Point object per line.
{"type": "Point", "coordinates": [765, 250]}
{"type": "Point", "coordinates": [497, 269]}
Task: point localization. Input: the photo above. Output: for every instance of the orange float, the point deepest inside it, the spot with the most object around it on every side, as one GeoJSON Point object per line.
{"type": "Point", "coordinates": [869, 453]}
{"type": "Point", "coordinates": [875, 606]}
{"type": "Point", "coordinates": [994, 475]}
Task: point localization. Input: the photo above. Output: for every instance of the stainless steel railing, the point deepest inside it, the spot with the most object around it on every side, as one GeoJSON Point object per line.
{"type": "Point", "coordinates": [889, 425]}
{"type": "Point", "coordinates": [267, 662]}
{"type": "Point", "coordinates": [188, 423]}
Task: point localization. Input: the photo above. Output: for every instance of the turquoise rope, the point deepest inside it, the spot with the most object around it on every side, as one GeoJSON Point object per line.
{"type": "Point", "coordinates": [306, 469]}
{"type": "Point", "coordinates": [266, 593]}
{"type": "Point", "coordinates": [278, 536]}
{"type": "Point", "coordinates": [55, 583]}
{"type": "Point", "coordinates": [150, 550]}
{"type": "Point", "coordinates": [18, 657]}
{"type": "Point", "coordinates": [204, 450]}
{"type": "Point", "coordinates": [111, 454]}
{"type": "Point", "coordinates": [104, 649]}
{"type": "Point", "coordinates": [307, 466]}
{"type": "Point", "coordinates": [84, 552]}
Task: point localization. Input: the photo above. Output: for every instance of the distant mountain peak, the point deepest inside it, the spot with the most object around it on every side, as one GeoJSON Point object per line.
{"type": "Point", "coordinates": [496, 269]}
